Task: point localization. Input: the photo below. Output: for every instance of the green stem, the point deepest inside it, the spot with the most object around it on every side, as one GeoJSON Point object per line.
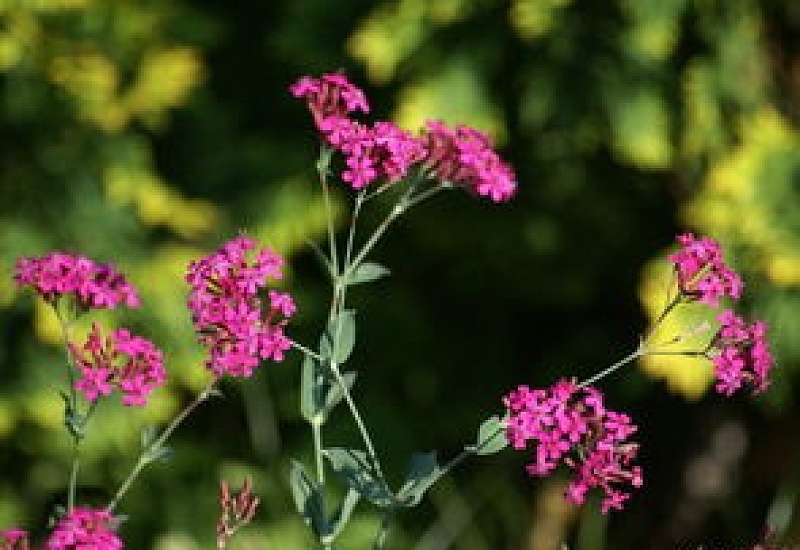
{"type": "Point", "coordinates": [73, 476]}
{"type": "Point", "coordinates": [150, 453]}
{"type": "Point", "coordinates": [384, 530]}
{"type": "Point", "coordinates": [316, 428]}
{"type": "Point", "coordinates": [622, 362]}
{"type": "Point", "coordinates": [323, 163]}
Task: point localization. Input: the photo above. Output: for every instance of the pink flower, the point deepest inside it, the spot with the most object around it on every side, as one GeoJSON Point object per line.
{"type": "Point", "coordinates": [570, 425]}
{"type": "Point", "coordinates": [702, 274]}
{"type": "Point", "coordinates": [464, 157]}
{"type": "Point", "coordinates": [85, 529]}
{"type": "Point", "coordinates": [59, 274]}
{"type": "Point", "coordinates": [131, 363]}
{"type": "Point", "coordinates": [227, 310]}
{"type": "Point", "coordinates": [331, 95]}
{"type": "Point", "coordinates": [740, 354]}
{"type": "Point", "coordinates": [14, 539]}
{"type": "Point", "coordinates": [382, 151]}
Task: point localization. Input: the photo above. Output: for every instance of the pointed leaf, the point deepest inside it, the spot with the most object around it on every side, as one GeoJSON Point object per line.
{"type": "Point", "coordinates": [335, 393]}
{"type": "Point", "coordinates": [308, 499]}
{"type": "Point", "coordinates": [312, 389]}
{"type": "Point", "coordinates": [423, 472]}
{"type": "Point", "coordinates": [491, 437]}
{"type": "Point", "coordinates": [339, 337]}
{"type": "Point", "coordinates": [345, 510]}
{"type": "Point", "coordinates": [367, 272]}
{"type": "Point", "coordinates": [354, 468]}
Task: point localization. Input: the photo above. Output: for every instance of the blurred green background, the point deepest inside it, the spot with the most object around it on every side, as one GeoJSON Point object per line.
{"type": "Point", "coordinates": [147, 132]}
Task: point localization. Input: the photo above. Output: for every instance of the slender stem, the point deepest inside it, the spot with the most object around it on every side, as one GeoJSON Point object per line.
{"type": "Point", "coordinates": [322, 170]}
{"type": "Point", "coordinates": [73, 476]}
{"type": "Point", "coordinates": [149, 454]}
{"type": "Point", "coordinates": [376, 236]}
{"type": "Point", "coordinates": [622, 362]}
{"type": "Point", "coordinates": [362, 428]}
{"type": "Point", "coordinates": [316, 428]}
{"type": "Point", "coordinates": [672, 304]}
{"type": "Point", "coordinates": [685, 353]}
{"type": "Point", "coordinates": [311, 353]}
{"type": "Point", "coordinates": [428, 193]}
{"type": "Point", "coordinates": [384, 530]}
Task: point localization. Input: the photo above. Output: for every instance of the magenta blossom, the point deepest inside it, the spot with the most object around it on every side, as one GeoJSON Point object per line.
{"type": "Point", "coordinates": [227, 310]}
{"type": "Point", "coordinates": [464, 157]}
{"type": "Point", "coordinates": [85, 529]}
{"type": "Point", "coordinates": [92, 284]}
{"type": "Point", "coordinates": [702, 273]}
{"type": "Point", "coordinates": [330, 95]}
{"type": "Point", "coordinates": [569, 424]}
{"type": "Point", "coordinates": [14, 539]}
{"type": "Point", "coordinates": [131, 363]}
{"type": "Point", "coordinates": [740, 354]}
{"type": "Point", "coordinates": [382, 151]}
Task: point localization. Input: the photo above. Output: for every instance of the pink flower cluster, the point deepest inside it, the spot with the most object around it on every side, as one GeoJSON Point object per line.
{"type": "Point", "coordinates": [227, 310]}
{"type": "Point", "coordinates": [740, 354]}
{"type": "Point", "coordinates": [92, 284]}
{"type": "Point", "coordinates": [85, 529]}
{"type": "Point", "coordinates": [131, 363]}
{"type": "Point", "coordinates": [570, 424]}
{"type": "Point", "coordinates": [381, 151]}
{"type": "Point", "coordinates": [14, 539]}
{"type": "Point", "coordinates": [462, 156]}
{"type": "Point", "coordinates": [702, 273]}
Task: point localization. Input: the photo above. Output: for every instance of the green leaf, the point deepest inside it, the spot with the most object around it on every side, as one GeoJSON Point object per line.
{"type": "Point", "coordinates": [312, 390]}
{"type": "Point", "coordinates": [354, 468]}
{"type": "Point", "coordinates": [148, 435]}
{"type": "Point", "coordinates": [335, 393]}
{"type": "Point", "coordinates": [491, 437]}
{"type": "Point", "coordinates": [345, 511]}
{"type": "Point", "coordinates": [341, 328]}
{"type": "Point", "coordinates": [366, 273]}
{"type": "Point", "coordinates": [423, 472]}
{"type": "Point", "coordinates": [308, 499]}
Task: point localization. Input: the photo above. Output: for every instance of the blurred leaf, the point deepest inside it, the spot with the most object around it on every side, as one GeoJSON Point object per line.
{"type": "Point", "coordinates": [491, 437]}
{"type": "Point", "coordinates": [423, 472]}
{"type": "Point", "coordinates": [367, 272]}
{"type": "Point", "coordinates": [340, 336]}
{"type": "Point", "coordinates": [335, 393]}
{"type": "Point", "coordinates": [354, 467]}
{"type": "Point", "coordinates": [308, 499]}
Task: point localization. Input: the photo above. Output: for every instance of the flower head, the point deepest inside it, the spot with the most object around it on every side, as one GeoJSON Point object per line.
{"type": "Point", "coordinates": [131, 363]}
{"type": "Point", "coordinates": [14, 539]}
{"type": "Point", "coordinates": [464, 157]}
{"type": "Point", "coordinates": [85, 529]}
{"type": "Point", "coordinates": [92, 284]}
{"type": "Point", "coordinates": [371, 153]}
{"type": "Point", "coordinates": [227, 309]}
{"type": "Point", "coordinates": [740, 354]}
{"type": "Point", "coordinates": [570, 424]}
{"type": "Point", "coordinates": [702, 273]}
{"type": "Point", "coordinates": [236, 511]}
{"type": "Point", "coordinates": [330, 95]}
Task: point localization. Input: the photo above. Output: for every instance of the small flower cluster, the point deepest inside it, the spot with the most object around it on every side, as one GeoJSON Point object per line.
{"type": "Point", "coordinates": [236, 511]}
{"type": "Point", "coordinates": [227, 310]}
{"type": "Point", "coordinates": [463, 156]}
{"type": "Point", "coordinates": [570, 424]}
{"type": "Point", "coordinates": [131, 363]}
{"type": "Point", "coordinates": [14, 539]}
{"type": "Point", "coordinates": [702, 273]}
{"type": "Point", "coordinates": [93, 285]}
{"type": "Point", "coordinates": [85, 529]}
{"type": "Point", "coordinates": [740, 353]}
